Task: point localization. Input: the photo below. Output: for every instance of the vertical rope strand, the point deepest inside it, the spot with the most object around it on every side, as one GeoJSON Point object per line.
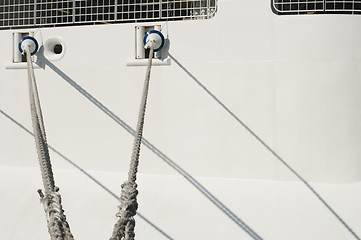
{"type": "Point", "coordinates": [57, 225]}
{"type": "Point", "coordinates": [124, 228]}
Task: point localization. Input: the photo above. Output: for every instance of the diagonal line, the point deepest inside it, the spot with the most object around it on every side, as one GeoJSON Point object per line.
{"type": "Point", "coordinates": [86, 174]}
{"type": "Point", "coordinates": [159, 153]}
{"type": "Point", "coordinates": [266, 146]}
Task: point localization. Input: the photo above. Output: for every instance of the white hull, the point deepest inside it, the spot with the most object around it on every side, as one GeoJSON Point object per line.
{"type": "Point", "coordinates": [238, 85]}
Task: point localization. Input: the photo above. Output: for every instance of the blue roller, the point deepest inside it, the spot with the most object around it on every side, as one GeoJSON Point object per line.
{"type": "Point", "coordinates": [157, 37]}
{"type": "Point", "coordinates": [31, 42]}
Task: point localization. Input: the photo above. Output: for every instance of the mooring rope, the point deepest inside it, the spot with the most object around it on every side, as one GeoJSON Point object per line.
{"type": "Point", "coordinates": [124, 228]}
{"type": "Point", "coordinates": [57, 225]}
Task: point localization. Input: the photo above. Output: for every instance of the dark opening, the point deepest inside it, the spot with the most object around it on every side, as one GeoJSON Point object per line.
{"type": "Point", "coordinates": [147, 51]}
{"type": "Point", "coordinates": [23, 58]}
{"type": "Point", "coordinates": [58, 48]}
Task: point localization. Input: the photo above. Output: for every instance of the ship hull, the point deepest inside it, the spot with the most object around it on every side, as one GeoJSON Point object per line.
{"type": "Point", "coordinates": [238, 103]}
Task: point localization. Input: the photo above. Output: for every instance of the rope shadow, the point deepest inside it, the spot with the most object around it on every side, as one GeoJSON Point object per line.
{"type": "Point", "coordinates": [157, 152]}
{"type": "Point", "coordinates": [86, 174]}
{"type": "Point", "coordinates": [264, 144]}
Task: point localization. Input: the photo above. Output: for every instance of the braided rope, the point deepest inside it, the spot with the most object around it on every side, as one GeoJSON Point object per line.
{"type": "Point", "coordinates": [124, 228]}
{"type": "Point", "coordinates": [57, 225]}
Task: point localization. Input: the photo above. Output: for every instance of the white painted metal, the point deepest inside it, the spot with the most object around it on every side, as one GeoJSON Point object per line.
{"type": "Point", "coordinates": [293, 80]}
{"type": "Point", "coordinates": [139, 51]}
{"type": "Point", "coordinates": [158, 53]}
{"type": "Point", "coordinates": [16, 53]}
{"type": "Point", "coordinates": [49, 45]}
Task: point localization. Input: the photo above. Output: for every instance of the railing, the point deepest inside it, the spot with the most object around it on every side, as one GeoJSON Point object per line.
{"type": "Point", "coordinates": [316, 6]}
{"type": "Point", "coordinates": [35, 13]}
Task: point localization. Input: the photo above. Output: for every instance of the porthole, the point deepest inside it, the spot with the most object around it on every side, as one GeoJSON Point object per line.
{"type": "Point", "coordinates": [54, 48]}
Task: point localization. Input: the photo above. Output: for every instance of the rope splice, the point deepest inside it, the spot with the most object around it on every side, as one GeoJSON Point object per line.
{"type": "Point", "coordinates": [57, 225]}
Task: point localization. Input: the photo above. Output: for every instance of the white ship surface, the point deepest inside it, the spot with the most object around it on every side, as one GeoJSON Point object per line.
{"type": "Point", "coordinates": [252, 128]}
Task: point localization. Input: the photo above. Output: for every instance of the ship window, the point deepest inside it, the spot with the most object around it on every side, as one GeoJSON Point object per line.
{"type": "Point", "coordinates": [36, 13]}
{"type": "Point", "coordinates": [292, 7]}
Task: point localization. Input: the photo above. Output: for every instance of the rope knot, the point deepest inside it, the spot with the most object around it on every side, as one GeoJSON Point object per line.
{"type": "Point", "coordinates": [57, 224]}
{"type": "Point", "coordinates": [127, 210]}
{"type": "Point", "coordinates": [128, 200]}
